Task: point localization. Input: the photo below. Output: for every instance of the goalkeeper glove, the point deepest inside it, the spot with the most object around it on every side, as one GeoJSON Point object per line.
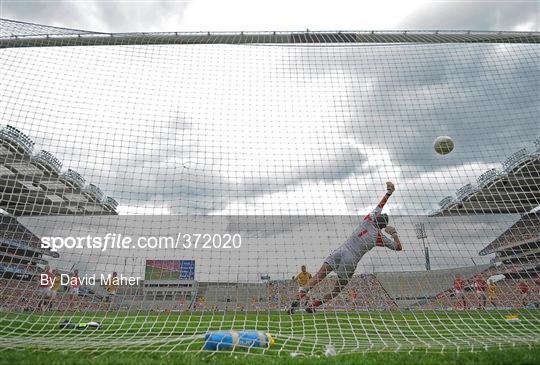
{"type": "Point", "coordinates": [390, 230]}
{"type": "Point", "coordinates": [390, 188]}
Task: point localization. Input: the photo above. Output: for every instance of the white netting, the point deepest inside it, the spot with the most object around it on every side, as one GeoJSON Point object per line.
{"type": "Point", "coordinates": [13, 29]}
{"type": "Point", "coordinates": [275, 146]}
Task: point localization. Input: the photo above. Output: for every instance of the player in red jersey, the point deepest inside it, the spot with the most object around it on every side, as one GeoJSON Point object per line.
{"type": "Point", "coordinates": [524, 290]}
{"type": "Point", "coordinates": [45, 284]}
{"type": "Point", "coordinates": [459, 290]}
{"type": "Point", "coordinates": [75, 283]}
{"type": "Point", "coordinates": [480, 286]}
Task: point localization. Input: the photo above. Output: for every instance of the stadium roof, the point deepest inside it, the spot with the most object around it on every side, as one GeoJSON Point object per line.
{"type": "Point", "coordinates": [33, 184]}
{"type": "Point", "coordinates": [20, 34]}
{"type": "Point", "coordinates": [526, 229]}
{"type": "Point", "coordinates": [514, 189]}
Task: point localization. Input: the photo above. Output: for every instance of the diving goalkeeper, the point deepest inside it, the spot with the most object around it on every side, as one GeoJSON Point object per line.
{"type": "Point", "coordinates": [344, 260]}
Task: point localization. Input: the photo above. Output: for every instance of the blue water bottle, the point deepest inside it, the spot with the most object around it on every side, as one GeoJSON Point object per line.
{"type": "Point", "coordinates": [227, 340]}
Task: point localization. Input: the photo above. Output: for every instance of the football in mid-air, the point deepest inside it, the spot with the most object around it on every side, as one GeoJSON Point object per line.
{"type": "Point", "coordinates": [443, 145]}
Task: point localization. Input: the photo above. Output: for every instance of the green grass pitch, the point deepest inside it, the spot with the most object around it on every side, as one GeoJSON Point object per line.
{"type": "Point", "coordinates": [474, 337]}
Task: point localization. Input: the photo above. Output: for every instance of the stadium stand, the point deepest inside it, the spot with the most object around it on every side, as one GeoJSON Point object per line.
{"type": "Point", "coordinates": [33, 184]}
{"type": "Point", "coordinates": [514, 189]}
{"type": "Point", "coordinates": [363, 292]}
{"type": "Point", "coordinates": [20, 251]}
{"type": "Point", "coordinates": [507, 296]}
{"type": "Point", "coordinates": [517, 250]}
{"type": "Point", "coordinates": [411, 289]}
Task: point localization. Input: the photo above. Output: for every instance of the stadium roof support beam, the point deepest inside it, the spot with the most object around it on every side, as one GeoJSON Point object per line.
{"type": "Point", "coordinates": [413, 37]}
{"type": "Point", "coordinates": [517, 190]}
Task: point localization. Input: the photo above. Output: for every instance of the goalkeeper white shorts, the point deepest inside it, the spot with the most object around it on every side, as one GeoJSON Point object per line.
{"type": "Point", "coordinates": [343, 262]}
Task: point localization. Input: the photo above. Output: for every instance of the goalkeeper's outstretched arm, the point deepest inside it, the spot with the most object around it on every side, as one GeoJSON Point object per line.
{"type": "Point", "coordinates": [395, 243]}
{"type": "Point", "coordinates": [389, 190]}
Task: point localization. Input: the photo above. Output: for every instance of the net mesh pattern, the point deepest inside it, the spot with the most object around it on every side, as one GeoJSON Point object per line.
{"type": "Point", "coordinates": [11, 28]}
{"type": "Point", "coordinates": [228, 161]}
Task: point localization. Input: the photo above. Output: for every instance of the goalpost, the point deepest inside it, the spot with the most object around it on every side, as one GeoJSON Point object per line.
{"type": "Point", "coordinates": [175, 183]}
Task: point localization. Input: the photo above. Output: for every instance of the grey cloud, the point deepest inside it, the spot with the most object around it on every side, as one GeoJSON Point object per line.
{"type": "Point", "coordinates": [484, 96]}
{"type": "Point", "coordinates": [98, 16]}
{"type": "Point", "coordinates": [170, 164]}
{"type": "Point", "coordinates": [203, 187]}
{"type": "Point", "coordinates": [391, 98]}
{"type": "Point", "coordinates": [477, 94]}
{"type": "Point", "coordinates": [167, 15]}
{"type": "Point", "coordinates": [420, 92]}
{"type": "Point", "coordinates": [474, 15]}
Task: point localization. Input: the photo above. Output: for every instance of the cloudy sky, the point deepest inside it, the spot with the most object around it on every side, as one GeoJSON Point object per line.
{"type": "Point", "coordinates": [283, 130]}
{"type": "Point", "coordinates": [265, 129]}
{"type": "Point", "coordinates": [204, 15]}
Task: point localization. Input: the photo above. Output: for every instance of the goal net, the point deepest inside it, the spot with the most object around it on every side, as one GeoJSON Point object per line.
{"type": "Point", "coordinates": [169, 185]}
